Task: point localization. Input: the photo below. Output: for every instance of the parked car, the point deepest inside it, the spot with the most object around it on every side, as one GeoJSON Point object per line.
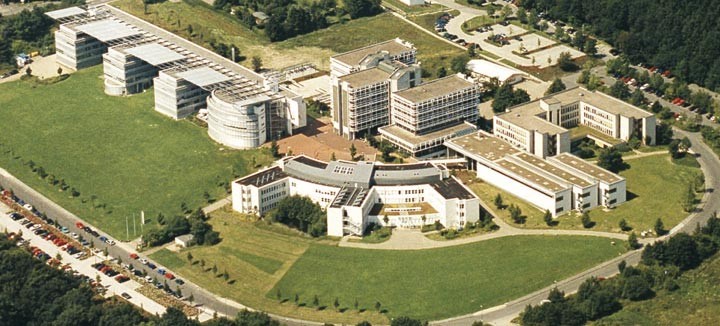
{"type": "Point", "coordinates": [79, 225]}
{"type": "Point", "coordinates": [161, 271]}
{"type": "Point", "coordinates": [126, 296]}
{"type": "Point", "coordinates": [179, 281]}
{"type": "Point", "coordinates": [134, 256]}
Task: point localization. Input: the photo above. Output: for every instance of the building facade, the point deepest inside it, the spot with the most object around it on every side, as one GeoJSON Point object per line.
{"type": "Point", "coordinates": [540, 126]}
{"type": "Point", "coordinates": [355, 194]}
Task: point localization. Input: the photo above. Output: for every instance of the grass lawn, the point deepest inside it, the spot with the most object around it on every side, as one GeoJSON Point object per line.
{"type": "Point", "coordinates": [116, 151]}
{"type": "Point", "coordinates": [645, 203]}
{"type": "Point", "coordinates": [473, 23]}
{"type": "Point", "coordinates": [209, 25]}
{"type": "Point", "coordinates": [427, 21]}
{"type": "Point", "coordinates": [262, 259]}
{"type": "Point", "coordinates": [440, 283]}
{"type": "Point", "coordinates": [696, 302]}
{"type": "Point", "coordinates": [432, 52]}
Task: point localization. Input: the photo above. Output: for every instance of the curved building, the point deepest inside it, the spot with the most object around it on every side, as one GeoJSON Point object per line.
{"type": "Point", "coordinates": [237, 124]}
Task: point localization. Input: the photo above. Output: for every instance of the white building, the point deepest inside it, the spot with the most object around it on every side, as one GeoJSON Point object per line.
{"type": "Point", "coordinates": [358, 59]}
{"type": "Point", "coordinates": [355, 194]}
{"type": "Point", "coordinates": [245, 108]}
{"type": "Point", "coordinates": [485, 70]}
{"type": "Point", "coordinates": [413, 2]}
{"type": "Point", "coordinates": [558, 184]}
{"type": "Point", "coordinates": [423, 117]}
{"type": "Point", "coordinates": [540, 126]}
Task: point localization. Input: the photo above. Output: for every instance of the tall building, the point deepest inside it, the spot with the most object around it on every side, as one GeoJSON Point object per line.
{"type": "Point", "coordinates": [245, 109]}
{"type": "Point", "coordinates": [358, 59]}
{"type": "Point", "coordinates": [355, 194]}
{"type": "Point", "coordinates": [541, 126]}
{"type": "Point", "coordinates": [423, 117]}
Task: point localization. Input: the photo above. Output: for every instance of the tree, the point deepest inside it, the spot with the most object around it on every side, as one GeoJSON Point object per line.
{"type": "Point", "coordinates": [353, 151]}
{"type": "Point", "coordinates": [378, 305]}
{"type": "Point", "coordinates": [498, 201]}
{"type": "Point", "coordinates": [688, 199]}
{"type": "Point", "coordinates": [659, 227]}
{"type": "Point", "coordinates": [405, 321]}
{"type": "Point", "coordinates": [610, 159]}
{"type": "Point", "coordinates": [256, 63]}
{"type": "Point", "coordinates": [623, 224]}
{"type": "Point", "coordinates": [278, 295]}
{"type": "Point", "coordinates": [356, 304]}
{"type": "Point", "coordinates": [332, 157]}
{"type": "Point", "coordinates": [459, 63]}
{"type": "Point", "coordinates": [362, 8]}
{"type": "Point", "coordinates": [620, 90]}
{"type": "Point", "coordinates": [590, 47]}
{"type": "Point", "coordinates": [556, 296]}
{"type": "Point", "coordinates": [636, 288]}
{"type": "Point", "coordinates": [637, 97]}
{"type": "Point", "coordinates": [336, 303]}
{"type": "Point", "coordinates": [316, 301]}
{"type": "Point", "coordinates": [556, 86]}
{"type": "Point", "coordinates": [441, 72]}
{"type": "Point", "coordinates": [565, 62]}
{"type": "Point", "coordinates": [301, 213]}
{"type": "Point", "coordinates": [621, 266]}
{"type": "Point", "coordinates": [506, 97]}
{"type": "Point", "coordinates": [274, 149]}
{"type": "Point", "coordinates": [548, 218]}
{"type": "Point", "coordinates": [522, 15]}
{"type": "Point", "coordinates": [59, 71]}
{"type": "Point", "coordinates": [28, 71]}
{"type": "Point", "coordinates": [586, 221]}
{"type": "Point", "coordinates": [633, 242]}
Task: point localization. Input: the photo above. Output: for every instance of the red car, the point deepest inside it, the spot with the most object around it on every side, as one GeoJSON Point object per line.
{"type": "Point", "coordinates": [80, 225]}
{"type": "Point", "coordinates": [134, 256]}
{"type": "Point", "coordinates": [169, 276]}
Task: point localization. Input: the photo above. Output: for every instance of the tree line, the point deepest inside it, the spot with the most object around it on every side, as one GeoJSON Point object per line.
{"type": "Point", "coordinates": [288, 18]}
{"type": "Point", "coordinates": [301, 213]}
{"type": "Point", "coordinates": [683, 36]}
{"type": "Point", "coordinates": [195, 224]}
{"type": "Point", "coordinates": [662, 263]}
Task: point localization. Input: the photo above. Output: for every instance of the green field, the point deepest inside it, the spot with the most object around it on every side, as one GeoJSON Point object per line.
{"type": "Point", "coordinates": [696, 302]}
{"type": "Point", "coordinates": [645, 203]}
{"type": "Point", "coordinates": [440, 283]}
{"type": "Point", "coordinates": [209, 26]}
{"type": "Point", "coordinates": [262, 258]}
{"type": "Point", "coordinates": [120, 154]}
{"type": "Point", "coordinates": [413, 10]}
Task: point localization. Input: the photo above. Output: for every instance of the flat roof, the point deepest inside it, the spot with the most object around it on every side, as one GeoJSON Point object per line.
{"type": "Point", "coordinates": [451, 188]}
{"type": "Point", "coordinates": [484, 145]}
{"type": "Point", "coordinates": [263, 177]}
{"type": "Point", "coordinates": [587, 168]}
{"type": "Point", "coordinates": [531, 176]}
{"type": "Point", "coordinates": [354, 57]}
{"type": "Point", "coordinates": [155, 54]}
{"type": "Point", "coordinates": [66, 12]}
{"type": "Point", "coordinates": [366, 77]}
{"type": "Point", "coordinates": [411, 138]}
{"type": "Point", "coordinates": [601, 101]}
{"type": "Point", "coordinates": [108, 30]}
{"type": "Point", "coordinates": [526, 117]}
{"type": "Point", "coordinates": [203, 76]}
{"type": "Point", "coordinates": [554, 170]}
{"type": "Point", "coordinates": [435, 88]}
{"type": "Point", "coordinates": [492, 70]}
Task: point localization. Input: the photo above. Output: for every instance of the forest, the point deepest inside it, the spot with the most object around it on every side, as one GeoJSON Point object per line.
{"type": "Point", "coordinates": [683, 36]}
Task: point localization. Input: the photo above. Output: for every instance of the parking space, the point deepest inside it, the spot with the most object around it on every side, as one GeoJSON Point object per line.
{"type": "Point", "coordinates": [529, 43]}
{"type": "Point", "coordinates": [541, 57]}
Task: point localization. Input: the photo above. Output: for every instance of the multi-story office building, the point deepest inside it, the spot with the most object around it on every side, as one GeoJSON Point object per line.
{"type": "Point", "coordinates": [539, 126]}
{"type": "Point", "coordinates": [423, 117]}
{"type": "Point", "coordinates": [244, 108]}
{"type": "Point", "coordinates": [355, 194]}
{"type": "Point", "coordinates": [557, 184]}
{"type": "Point", "coordinates": [361, 100]}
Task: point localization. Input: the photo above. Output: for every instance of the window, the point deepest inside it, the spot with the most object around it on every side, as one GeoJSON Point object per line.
{"type": "Point", "coordinates": [558, 199]}
{"type": "Point", "coordinates": [612, 191]}
{"type": "Point", "coordinates": [612, 201]}
{"type": "Point", "coordinates": [559, 209]}
{"type": "Point", "coordinates": [585, 195]}
{"type": "Point", "coordinates": [586, 205]}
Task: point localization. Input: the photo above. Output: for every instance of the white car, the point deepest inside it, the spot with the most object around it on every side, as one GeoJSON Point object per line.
{"type": "Point", "coordinates": [110, 242]}
{"type": "Point", "coordinates": [143, 261]}
{"type": "Point", "coordinates": [74, 235]}
{"type": "Point", "coordinates": [28, 207]}
{"type": "Point", "coordinates": [149, 279]}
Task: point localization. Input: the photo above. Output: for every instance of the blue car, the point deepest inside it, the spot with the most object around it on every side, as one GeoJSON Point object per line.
{"type": "Point", "coordinates": [151, 265]}
{"type": "Point", "coordinates": [103, 238]}
{"type": "Point", "coordinates": [161, 271]}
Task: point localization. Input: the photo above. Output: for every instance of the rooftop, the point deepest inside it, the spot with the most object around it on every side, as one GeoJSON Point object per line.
{"type": "Point", "coordinates": [587, 168]}
{"type": "Point", "coordinates": [108, 30]}
{"type": "Point", "coordinates": [526, 117]}
{"type": "Point", "coordinates": [66, 12]}
{"type": "Point", "coordinates": [451, 188]}
{"type": "Point", "coordinates": [155, 54]}
{"type": "Point", "coordinates": [554, 170]}
{"type": "Point", "coordinates": [350, 196]}
{"type": "Point", "coordinates": [354, 57]}
{"type": "Point", "coordinates": [484, 145]}
{"type": "Point", "coordinates": [435, 88]}
{"type": "Point", "coordinates": [531, 176]}
{"type": "Point", "coordinates": [366, 77]}
{"type": "Point", "coordinates": [492, 70]}
{"type": "Point", "coordinates": [203, 76]}
{"type": "Point", "coordinates": [263, 177]}
{"type": "Point", "coordinates": [414, 139]}
{"type": "Point", "coordinates": [601, 101]}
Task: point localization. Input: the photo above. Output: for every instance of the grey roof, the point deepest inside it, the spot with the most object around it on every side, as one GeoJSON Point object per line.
{"type": "Point", "coordinates": [66, 12]}
{"type": "Point", "coordinates": [354, 57]}
{"type": "Point", "coordinates": [405, 174]}
{"type": "Point", "coordinates": [335, 173]}
{"type": "Point", "coordinates": [203, 76]}
{"type": "Point", "coordinates": [451, 188]}
{"type": "Point", "coordinates": [108, 30]}
{"type": "Point", "coordinates": [590, 169]}
{"type": "Point", "coordinates": [155, 54]}
{"type": "Point", "coordinates": [482, 144]}
{"type": "Point", "coordinates": [436, 88]}
{"type": "Point", "coordinates": [261, 178]}
{"type": "Point", "coordinates": [185, 237]}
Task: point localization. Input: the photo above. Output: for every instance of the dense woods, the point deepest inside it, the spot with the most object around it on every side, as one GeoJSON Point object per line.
{"type": "Point", "coordinates": [683, 36]}
{"type": "Point", "coordinates": [301, 213]}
